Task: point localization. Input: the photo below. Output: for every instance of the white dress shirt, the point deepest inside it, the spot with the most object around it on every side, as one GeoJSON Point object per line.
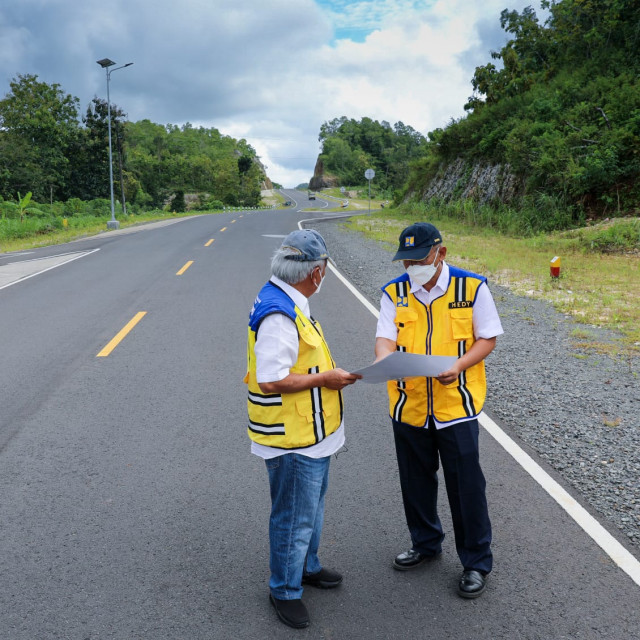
{"type": "Point", "coordinates": [276, 351]}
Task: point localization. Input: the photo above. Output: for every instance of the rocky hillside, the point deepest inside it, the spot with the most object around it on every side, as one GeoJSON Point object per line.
{"type": "Point", "coordinates": [480, 181]}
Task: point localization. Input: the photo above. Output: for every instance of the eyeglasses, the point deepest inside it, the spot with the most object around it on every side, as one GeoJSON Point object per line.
{"type": "Point", "coordinates": [408, 263]}
{"type": "Point", "coordinates": [424, 261]}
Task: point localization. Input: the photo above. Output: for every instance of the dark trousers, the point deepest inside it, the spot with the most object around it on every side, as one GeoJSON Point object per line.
{"type": "Point", "coordinates": [419, 451]}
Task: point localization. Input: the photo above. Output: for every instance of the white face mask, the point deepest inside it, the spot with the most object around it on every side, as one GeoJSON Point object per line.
{"type": "Point", "coordinates": [422, 273]}
{"type": "Point", "coordinates": [318, 286]}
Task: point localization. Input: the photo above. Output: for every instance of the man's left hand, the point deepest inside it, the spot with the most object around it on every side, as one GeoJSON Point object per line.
{"type": "Point", "coordinates": [450, 375]}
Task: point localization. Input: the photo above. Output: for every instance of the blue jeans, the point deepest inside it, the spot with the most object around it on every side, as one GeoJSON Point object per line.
{"type": "Point", "coordinates": [298, 486]}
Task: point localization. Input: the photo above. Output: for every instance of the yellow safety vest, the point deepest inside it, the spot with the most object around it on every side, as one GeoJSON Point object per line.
{"type": "Point", "coordinates": [303, 418]}
{"type": "Point", "coordinates": [442, 328]}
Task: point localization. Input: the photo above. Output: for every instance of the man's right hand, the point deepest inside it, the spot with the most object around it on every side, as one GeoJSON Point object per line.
{"type": "Point", "coordinates": [337, 379]}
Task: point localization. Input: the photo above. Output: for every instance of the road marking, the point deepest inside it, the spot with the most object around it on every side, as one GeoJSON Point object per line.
{"type": "Point", "coordinates": [186, 266]}
{"type": "Point", "coordinates": [13, 272]}
{"type": "Point", "coordinates": [223, 229]}
{"type": "Point", "coordinates": [622, 558]}
{"type": "Point", "coordinates": [120, 336]}
{"type": "Point", "coordinates": [208, 244]}
{"type": "Point", "coordinates": [232, 221]}
{"type": "Point", "coordinates": [353, 290]}
{"type": "Point", "coordinates": [625, 560]}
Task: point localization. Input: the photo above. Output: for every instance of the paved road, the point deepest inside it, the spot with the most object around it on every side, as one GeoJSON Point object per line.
{"type": "Point", "coordinates": [130, 506]}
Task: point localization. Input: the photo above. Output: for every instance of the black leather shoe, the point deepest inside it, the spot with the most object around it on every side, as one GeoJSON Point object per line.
{"type": "Point", "coordinates": [324, 579]}
{"type": "Point", "coordinates": [292, 612]}
{"type": "Point", "coordinates": [472, 584]}
{"type": "Point", "coordinates": [412, 559]}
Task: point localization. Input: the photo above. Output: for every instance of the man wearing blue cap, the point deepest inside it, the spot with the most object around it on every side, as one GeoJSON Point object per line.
{"type": "Point", "coordinates": [295, 418]}
{"type": "Point", "coordinates": [437, 309]}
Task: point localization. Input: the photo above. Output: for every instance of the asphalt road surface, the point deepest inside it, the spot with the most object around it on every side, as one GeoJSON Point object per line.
{"type": "Point", "coordinates": [131, 507]}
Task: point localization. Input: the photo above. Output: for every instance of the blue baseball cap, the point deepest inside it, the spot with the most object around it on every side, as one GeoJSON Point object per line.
{"type": "Point", "coordinates": [308, 245]}
{"type": "Point", "coordinates": [416, 241]}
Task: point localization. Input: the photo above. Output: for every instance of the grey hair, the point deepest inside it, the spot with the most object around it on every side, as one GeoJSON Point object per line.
{"type": "Point", "coordinates": [292, 271]}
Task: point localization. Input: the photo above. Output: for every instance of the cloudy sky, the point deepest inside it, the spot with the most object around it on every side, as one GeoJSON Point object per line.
{"type": "Point", "coordinates": [268, 71]}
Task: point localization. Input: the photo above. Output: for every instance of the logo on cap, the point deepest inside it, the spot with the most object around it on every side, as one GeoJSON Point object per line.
{"type": "Point", "coordinates": [409, 241]}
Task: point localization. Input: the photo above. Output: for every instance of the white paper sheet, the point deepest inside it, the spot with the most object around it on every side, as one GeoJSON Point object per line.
{"type": "Point", "coordinates": [405, 365]}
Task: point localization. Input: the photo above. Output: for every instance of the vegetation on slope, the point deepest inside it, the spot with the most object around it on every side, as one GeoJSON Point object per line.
{"type": "Point", "coordinates": [563, 111]}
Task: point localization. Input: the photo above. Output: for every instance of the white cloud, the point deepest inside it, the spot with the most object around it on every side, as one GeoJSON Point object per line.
{"type": "Point", "coordinates": [270, 72]}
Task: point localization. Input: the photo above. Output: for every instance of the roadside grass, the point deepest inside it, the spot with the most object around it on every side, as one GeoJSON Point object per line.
{"type": "Point", "coordinates": [595, 288]}
{"type": "Point", "coordinates": [272, 197]}
{"type": "Point", "coordinates": [85, 226]}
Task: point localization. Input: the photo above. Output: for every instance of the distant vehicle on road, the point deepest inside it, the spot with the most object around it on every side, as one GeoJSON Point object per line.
{"type": "Point", "coordinates": [287, 203]}
{"type": "Point", "coordinates": [312, 195]}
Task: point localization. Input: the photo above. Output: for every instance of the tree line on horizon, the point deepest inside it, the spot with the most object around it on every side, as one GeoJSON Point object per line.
{"type": "Point", "coordinates": [350, 147]}
{"type": "Point", "coordinates": [47, 149]}
{"type": "Point", "coordinates": [559, 106]}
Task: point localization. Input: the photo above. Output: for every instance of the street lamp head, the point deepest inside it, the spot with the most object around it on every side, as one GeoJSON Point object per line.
{"type": "Point", "coordinates": [105, 62]}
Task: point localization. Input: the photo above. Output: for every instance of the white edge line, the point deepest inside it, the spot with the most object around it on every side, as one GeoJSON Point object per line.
{"type": "Point", "coordinates": [353, 290]}
{"type": "Point", "coordinates": [55, 266]}
{"type": "Point", "coordinates": [623, 558]}
{"type": "Point", "coordinates": [56, 255]}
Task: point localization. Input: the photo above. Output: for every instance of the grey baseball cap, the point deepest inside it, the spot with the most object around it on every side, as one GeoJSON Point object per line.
{"type": "Point", "coordinates": [308, 245]}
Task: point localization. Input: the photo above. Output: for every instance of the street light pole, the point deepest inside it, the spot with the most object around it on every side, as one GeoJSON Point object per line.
{"type": "Point", "coordinates": [105, 63]}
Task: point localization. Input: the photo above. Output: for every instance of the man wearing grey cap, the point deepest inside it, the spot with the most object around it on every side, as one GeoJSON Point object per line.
{"type": "Point", "coordinates": [438, 309]}
{"type": "Point", "coordinates": [295, 418]}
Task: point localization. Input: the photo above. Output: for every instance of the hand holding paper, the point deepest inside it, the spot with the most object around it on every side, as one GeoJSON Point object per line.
{"type": "Point", "coordinates": [405, 365]}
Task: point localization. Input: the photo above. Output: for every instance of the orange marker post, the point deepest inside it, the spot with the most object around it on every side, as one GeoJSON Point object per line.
{"type": "Point", "coordinates": [555, 267]}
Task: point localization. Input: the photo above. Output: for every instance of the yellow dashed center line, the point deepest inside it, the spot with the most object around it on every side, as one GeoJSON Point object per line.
{"type": "Point", "coordinates": [121, 334]}
{"type": "Point", "coordinates": [208, 244]}
{"type": "Point", "coordinates": [232, 221]}
{"type": "Point", "coordinates": [223, 229]}
{"type": "Point", "coordinates": [186, 266]}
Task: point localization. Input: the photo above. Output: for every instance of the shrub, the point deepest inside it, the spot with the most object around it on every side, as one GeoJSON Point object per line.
{"type": "Point", "coordinates": [99, 207]}
{"type": "Point", "coordinates": [73, 206]}
{"type": "Point", "coordinates": [9, 210]}
{"type": "Point", "coordinates": [614, 237]}
{"type": "Point", "coordinates": [37, 213]}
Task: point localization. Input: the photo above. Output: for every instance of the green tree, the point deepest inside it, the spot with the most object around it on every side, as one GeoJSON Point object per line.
{"type": "Point", "coordinates": [89, 154]}
{"type": "Point", "coordinates": [162, 159]}
{"type": "Point", "coordinates": [38, 125]}
{"type": "Point", "coordinates": [349, 147]}
{"type": "Point", "coordinates": [178, 204]}
{"type": "Point", "coordinates": [23, 203]}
